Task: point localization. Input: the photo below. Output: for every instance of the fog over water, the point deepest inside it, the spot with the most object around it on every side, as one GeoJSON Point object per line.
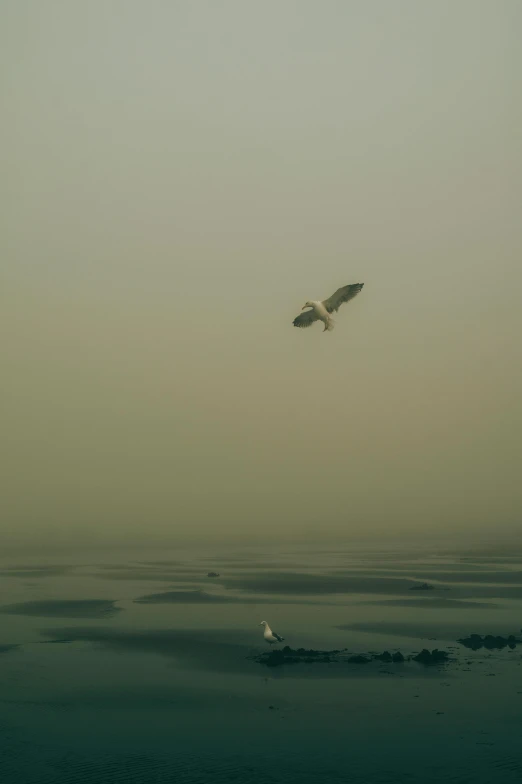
{"type": "Point", "coordinates": [179, 178]}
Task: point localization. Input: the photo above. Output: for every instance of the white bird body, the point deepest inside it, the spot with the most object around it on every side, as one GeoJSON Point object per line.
{"type": "Point", "coordinates": [322, 314]}
{"type": "Point", "coordinates": [321, 310]}
{"type": "Point", "coordinates": [270, 636]}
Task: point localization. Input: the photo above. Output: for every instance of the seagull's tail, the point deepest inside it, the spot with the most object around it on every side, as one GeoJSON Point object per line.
{"type": "Point", "coordinates": [330, 324]}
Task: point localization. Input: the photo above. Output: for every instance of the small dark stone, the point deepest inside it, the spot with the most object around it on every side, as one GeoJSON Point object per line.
{"type": "Point", "coordinates": [385, 656]}
{"type": "Point", "coordinates": [212, 574]}
{"type": "Point", "coordinates": [398, 658]}
{"type": "Point", "coordinates": [422, 587]}
{"type": "Point", "coordinates": [359, 660]}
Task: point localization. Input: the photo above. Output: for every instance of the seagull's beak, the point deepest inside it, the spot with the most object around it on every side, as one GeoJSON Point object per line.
{"type": "Point", "coordinates": [304, 306]}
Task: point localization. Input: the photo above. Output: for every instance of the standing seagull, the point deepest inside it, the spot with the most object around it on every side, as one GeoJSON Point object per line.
{"type": "Point", "coordinates": [270, 636]}
{"type": "Point", "coordinates": [320, 311]}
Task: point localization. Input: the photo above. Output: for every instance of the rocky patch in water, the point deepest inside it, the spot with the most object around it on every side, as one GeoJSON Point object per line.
{"type": "Point", "coordinates": [490, 641]}
{"type": "Point", "coordinates": [388, 657]}
{"type": "Point", "coordinates": [287, 655]}
{"type": "Point", "coordinates": [429, 658]}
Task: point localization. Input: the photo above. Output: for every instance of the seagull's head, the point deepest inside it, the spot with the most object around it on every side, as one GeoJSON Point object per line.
{"type": "Point", "coordinates": [263, 623]}
{"type": "Point", "coordinates": [307, 305]}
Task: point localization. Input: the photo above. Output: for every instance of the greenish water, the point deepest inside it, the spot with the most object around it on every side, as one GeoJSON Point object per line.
{"type": "Point", "coordinates": [137, 667]}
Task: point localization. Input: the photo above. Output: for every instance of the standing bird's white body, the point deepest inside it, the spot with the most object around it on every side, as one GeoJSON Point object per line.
{"type": "Point", "coordinates": [321, 310]}
{"type": "Point", "coordinates": [270, 636]}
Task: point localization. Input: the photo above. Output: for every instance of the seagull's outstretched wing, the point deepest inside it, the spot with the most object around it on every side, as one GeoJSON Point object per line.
{"type": "Point", "coordinates": [305, 319]}
{"type": "Point", "coordinates": [334, 302]}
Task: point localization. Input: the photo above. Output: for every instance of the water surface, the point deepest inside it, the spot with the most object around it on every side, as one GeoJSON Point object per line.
{"type": "Point", "coordinates": [139, 667]}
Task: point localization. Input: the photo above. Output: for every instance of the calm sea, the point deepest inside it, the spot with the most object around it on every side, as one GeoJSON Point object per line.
{"type": "Point", "coordinates": [138, 667]}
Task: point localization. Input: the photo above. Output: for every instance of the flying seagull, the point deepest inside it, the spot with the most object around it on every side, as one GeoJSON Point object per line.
{"type": "Point", "coordinates": [270, 636]}
{"type": "Point", "coordinates": [320, 311]}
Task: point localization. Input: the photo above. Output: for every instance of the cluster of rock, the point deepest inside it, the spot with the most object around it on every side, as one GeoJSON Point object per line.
{"type": "Point", "coordinates": [422, 587]}
{"type": "Point", "coordinates": [431, 657]}
{"type": "Point", "coordinates": [424, 657]}
{"type": "Point", "coordinates": [490, 641]}
{"type": "Point", "coordinates": [287, 655]}
{"type": "Point", "coordinates": [386, 656]}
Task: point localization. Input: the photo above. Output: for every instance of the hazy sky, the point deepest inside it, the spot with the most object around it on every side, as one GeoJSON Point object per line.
{"type": "Point", "coordinates": [179, 178]}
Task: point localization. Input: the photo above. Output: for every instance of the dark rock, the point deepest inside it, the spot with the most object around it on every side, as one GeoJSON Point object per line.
{"type": "Point", "coordinates": [474, 641]}
{"type": "Point", "coordinates": [212, 574]}
{"type": "Point", "coordinates": [490, 642]}
{"type": "Point", "coordinates": [387, 657]}
{"type": "Point", "coordinates": [435, 657]}
{"type": "Point", "coordinates": [309, 652]}
{"type": "Point", "coordinates": [288, 655]}
{"type": "Point", "coordinates": [276, 658]}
